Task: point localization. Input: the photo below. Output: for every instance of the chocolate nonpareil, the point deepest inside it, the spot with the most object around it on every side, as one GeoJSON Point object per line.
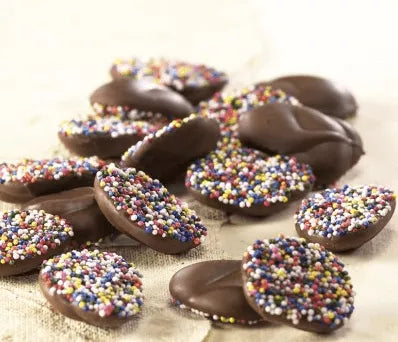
{"type": "Point", "coordinates": [102, 137]}
{"type": "Point", "coordinates": [99, 288]}
{"type": "Point", "coordinates": [345, 218]}
{"type": "Point", "coordinates": [167, 152]}
{"type": "Point", "coordinates": [246, 181]}
{"type": "Point", "coordinates": [142, 208]}
{"type": "Point", "coordinates": [196, 82]}
{"type": "Point", "coordinates": [79, 207]}
{"type": "Point", "coordinates": [303, 285]}
{"type": "Point", "coordinates": [23, 181]}
{"type": "Point", "coordinates": [213, 289]}
{"type": "Point", "coordinates": [27, 237]}
{"type": "Point", "coordinates": [131, 99]}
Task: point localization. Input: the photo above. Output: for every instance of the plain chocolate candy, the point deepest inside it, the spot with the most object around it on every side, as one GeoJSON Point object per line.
{"type": "Point", "coordinates": [318, 93]}
{"type": "Point", "coordinates": [330, 146]}
{"type": "Point", "coordinates": [215, 289]}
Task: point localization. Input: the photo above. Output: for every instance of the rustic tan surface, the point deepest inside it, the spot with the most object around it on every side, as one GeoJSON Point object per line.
{"type": "Point", "coordinates": [53, 54]}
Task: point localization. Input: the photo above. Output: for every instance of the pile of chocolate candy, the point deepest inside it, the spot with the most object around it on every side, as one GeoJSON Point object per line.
{"type": "Point", "coordinates": [252, 151]}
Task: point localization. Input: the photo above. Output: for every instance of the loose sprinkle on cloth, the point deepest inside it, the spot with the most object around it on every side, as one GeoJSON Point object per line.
{"type": "Point", "coordinates": [175, 74]}
{"type": "Point", "coordinates": [100, 282]}
{"type": "Point", "coordinates": [25, 235]}
{"type": "Point", "coordinates": [336, 212]}
{"type": "Point", "coordinates": [111, 127]}
{"type": "Point", "coordinates": [30, 170]}
{"type": "Point", "coordinates": [244, 177]}
{"type": "Point", "coordinates": [297, 281]}
{"type": "Point", "coordinates": [147, 203]}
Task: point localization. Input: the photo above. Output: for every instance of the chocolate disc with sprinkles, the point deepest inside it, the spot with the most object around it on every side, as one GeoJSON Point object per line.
{"type": "Point", "coordinates": [28, 237]}
{"type": "Point", "coordinates": [167, 152]}
{"type": "Point", "coordinates": [99, 288]}
{"type": "Point", "coordinates": [213, 289]}
{"type": "Point", "coordinates": [245, 181]}
{"type": "Point", "coordinates": [132, 99]}
{"type": "Point", "coordinates": [30, 178]}
{"type": "Point", "coordinates": [344, 219]}
{"type": "Point", "coordinates": [142, 208]}
{"type": "Point", "coordinates": [196, 82]}
{"type": "Point", "coordinates": [102, 137]}
{"type": "Point", "coordinates": [290, 281]}
{"type": "Point", "coordinates": [79, 207]}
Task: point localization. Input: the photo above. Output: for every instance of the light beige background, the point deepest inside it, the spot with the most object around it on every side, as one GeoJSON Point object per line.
{"type": "Point", "coordinates": [54, 53]}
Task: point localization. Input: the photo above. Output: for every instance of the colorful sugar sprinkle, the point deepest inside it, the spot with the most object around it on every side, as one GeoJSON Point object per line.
{"type": "Point", "coordinates": [27, 234]}
{"type": "Point", "coordinates": [30, 170]}
{"type": "Point", "coordinates": [100, 282]}
{"type": "Point", "coordinates": [299, 280]}
{"type": "Point", "coordinates": [337, 212]}
{"type": "Point", "coordinates": [147, 203]}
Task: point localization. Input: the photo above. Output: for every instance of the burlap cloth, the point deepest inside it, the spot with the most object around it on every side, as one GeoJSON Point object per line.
{"type": "Point", "coordinates": [53, 54]}
{"type": "Point", "coordinates": [25, 315]}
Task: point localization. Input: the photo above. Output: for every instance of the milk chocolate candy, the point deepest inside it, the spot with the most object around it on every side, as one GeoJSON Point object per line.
{"type": "Point", "coordinates": [246, 181]}
{"type": "Point", "coordinates": [102, 137]}
{"type": "Point", "coordinates": [196, 82]}
{"type": "Point", "coordinates": [128, 98]}
{"type": "Point", "coordinates": [167, 152]}
{"type": "Point", "coordinates": [303, 285]}
{"type": "Point", "coordinates": [330, 146]}
{"type": "Point", "coordinates": [28, 237]}
{"type": "Point", "coordinates": [214, 290]}
{"type": "Point", "coordinates": [23, 181]}
{"type": "Point", "coordinates": [79, 207]}
{"type": "Point", "coordinates": [99, 288]}
{"type": "Point", "coordinates": [344, 219]}
{"type": "Point", "coordinates": [318, 93]}
{"type": "Point", "coordinates": [142, 208]}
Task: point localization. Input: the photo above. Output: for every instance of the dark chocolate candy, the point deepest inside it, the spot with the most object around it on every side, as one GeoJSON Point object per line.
{"type": "Point", "coordinates": [330, 146]}
{"type": "Point", "coordinates": [30, 178]}
{"type": "Point", "coordinates": [143, 209]}
{"type": "Point", "coordinates": [167, 152]}
{"type": "Point", "coordinates": [126, 97]}
{"type": "Point", "coordinates": [105, 138]}
{"type": "Point", "coordinates": [214, 289]}
{"type": "Point", "coordinates": [79, 207]}
{"type": "Point", "coordinates": [106, 292]}
{"type": "Point", "coordinates": [346, 218]}
{"type": "Point", "coordinates": [303, 285]}
{"type": "Point", "coordinates": [30, 236]}
{"type": "Point", "coordinates": [196, 82]}
{"type": "Point", "coordinates": [318, 93]}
